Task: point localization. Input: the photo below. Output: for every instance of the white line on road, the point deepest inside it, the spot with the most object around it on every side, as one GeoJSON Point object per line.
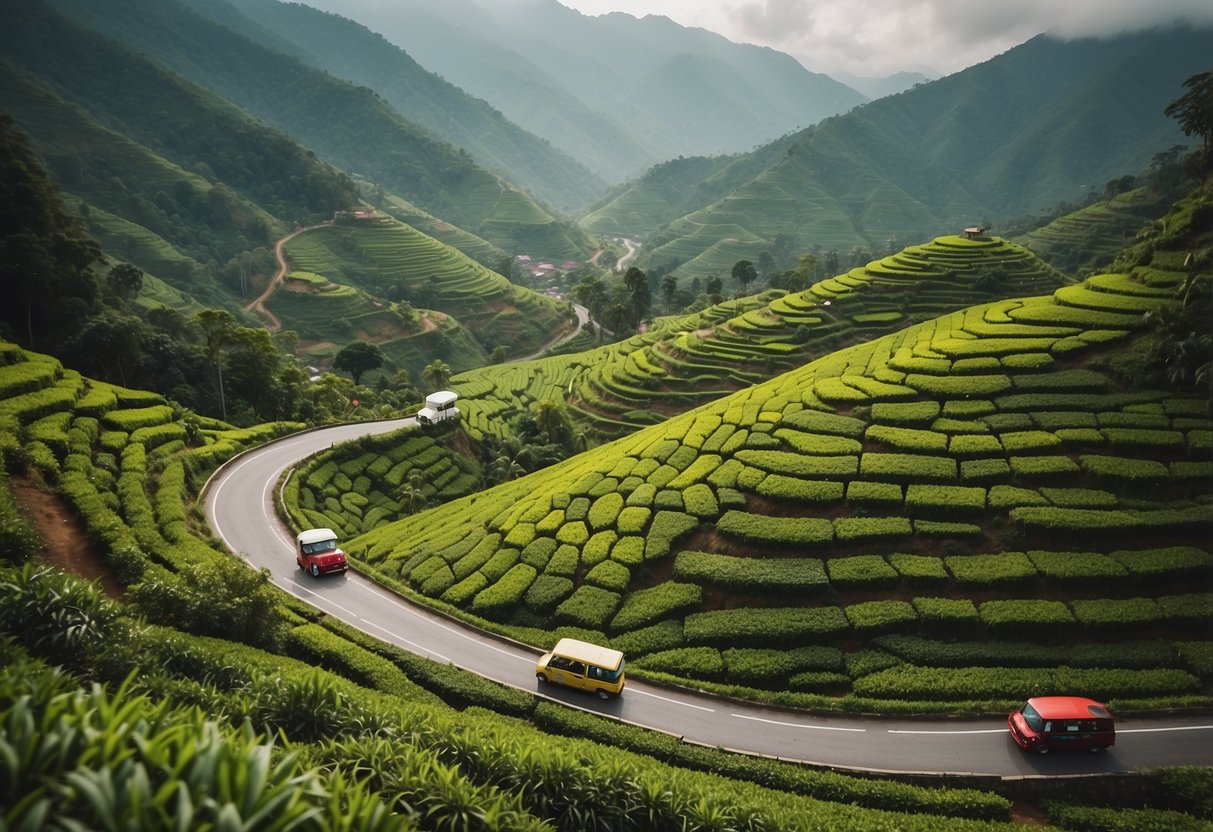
{"type": "Point", "coordinates": [800, 724]}
{"type": "Point", "coordinates": [974, 731]}
{"type": "Point", "coordinates": [420, 647]}
{"type": "Point", "coordinates": [1153, 730]}
{"type": "Point", "coordinates": [635, 691]}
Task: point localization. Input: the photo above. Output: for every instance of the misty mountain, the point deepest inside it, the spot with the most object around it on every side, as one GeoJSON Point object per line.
{"type": "Point", "coordinates": [349, 126]}
{"type": "Point", "coordinates": [1042, 123]}
{"type": "Point", "coordinates": [601, 87]}
{"type": "Point", "coordinates": [879, 87]}
{"type": "Point", "coordinates": [350, 51]}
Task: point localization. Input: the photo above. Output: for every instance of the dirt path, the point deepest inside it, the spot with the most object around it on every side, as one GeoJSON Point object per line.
{"type": "Point", "coordinates": [64, 540]}
{"type": "Point", "coordinates": [258, 305]}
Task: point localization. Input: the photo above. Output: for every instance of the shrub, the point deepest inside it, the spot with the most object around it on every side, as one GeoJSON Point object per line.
{"type": "Point", "coordinates": [687, 662]}
{"type": "Point", "coordinates": [947, 500]}
{"type": "Point", "coordinates": [1075, 567]}
{"type": "Point", "coordinates": [801, 465]}
{"type": "Point", "coordinates": [748, 665]}
{"type": "Point", "coordinates": [1026, 616]}
{"type": "Point", "coordinates": [590, 607]}
{"type": "Point", "coordinates": [780, 487]}
{"type": "Point", "coordinates": [1115, 613]}
{"type": "Point", "coordinates": [991, 570]}
{"type": "Point", "coordinates": [1124, 471]}
{"type": "Point", "coordinates": [905, 413]}
{"type": "Point", "coordinates": [908, 440]}
{"type": "Point", "coordinates": [947, 614]}
{"type": "Point", "coordinates": [858, 529]}
{"type": "Point", "coordinates": [666, 527]}
{"type": "Point", "coordinates": [770, 626]}
{"type": "Point", "coordinates": [920, 570]}
{"type": "Point", "coordinates": [663, 636]}
{"type": "Point", "coordinates": [700, 501]}
{"type": "Point", "coordinates": [874, 494]}
{"type": "Point", "coordinates": [861, 571]}
{"type": "Point", "coordinates": [647, 606]}
{"type": "Point", "coordinates": [768, 574]}
{"type": "Point", "coordinates": [881, 616]}
{"type": "Point", "coordinates": [598, 547]}
{"type": "Point", "coordinates": [791, 531]}
{"type": "Point", "coordinates": [907, 467]}
{"type": "Point", "coordinates": [609, 575]}
{"type": "Point", "coordinates": [1167, 561]}
{"type": "Point", "coordinates": [604, 510]}
{"type": "Point", "coordinates": [546, 592]}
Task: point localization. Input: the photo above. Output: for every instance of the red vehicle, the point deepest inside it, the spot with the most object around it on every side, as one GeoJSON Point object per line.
{"type": "Point", "coordinates": [1062, 722]}
{"type": "Point", "coordinates": [316, 551]}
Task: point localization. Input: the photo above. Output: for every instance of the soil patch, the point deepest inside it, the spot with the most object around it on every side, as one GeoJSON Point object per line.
{"type": "Point", "coordinates": [64, 540]}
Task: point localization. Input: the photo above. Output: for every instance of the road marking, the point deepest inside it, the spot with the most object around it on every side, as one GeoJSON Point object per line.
{"type": "Point", "coordinates": [400, 638]}
{"type": "Point", "coordinates": [1154, 730]}
{"type": "Point", "coordinates": [671, 701]}
{"type": "Point", "coordinates": [800, 724]}
{"type": "Point", "coordinates": [974, 731]}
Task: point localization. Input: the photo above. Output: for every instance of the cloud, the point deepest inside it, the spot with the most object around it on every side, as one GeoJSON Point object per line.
{"type": "Point", "coordinates": [878, 37]}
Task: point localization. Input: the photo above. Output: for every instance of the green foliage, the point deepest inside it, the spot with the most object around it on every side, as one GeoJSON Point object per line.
{"type": "Point", "coordinates": [781, 575]}
{"type": "Point", "coordinates": [746, 626]}
{"type": "Point", "coordinates": [646, 607]}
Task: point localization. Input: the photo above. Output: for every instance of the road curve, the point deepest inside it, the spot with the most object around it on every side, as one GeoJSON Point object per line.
{"type": "Point", "coordinates": [240, 507]}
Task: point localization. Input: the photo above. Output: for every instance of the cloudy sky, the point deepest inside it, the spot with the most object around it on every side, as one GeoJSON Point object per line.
{"type": "Point", "coordinates": [880, 37]}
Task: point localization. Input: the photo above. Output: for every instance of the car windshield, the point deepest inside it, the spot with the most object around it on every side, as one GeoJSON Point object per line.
{"type": "Point", "coordinates": [1030, 716]}
{"type": "Point", "coordinates": [317, 548]}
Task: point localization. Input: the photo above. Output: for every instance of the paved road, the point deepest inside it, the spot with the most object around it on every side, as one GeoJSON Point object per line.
{"type": "Point", "coordinates": [239, 505]}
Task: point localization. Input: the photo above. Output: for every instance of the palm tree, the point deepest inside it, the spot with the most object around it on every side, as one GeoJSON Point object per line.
{"type": "Point", "coordinates": [411, 493]}
{"type": "Point", "coordinates": [437, 373]}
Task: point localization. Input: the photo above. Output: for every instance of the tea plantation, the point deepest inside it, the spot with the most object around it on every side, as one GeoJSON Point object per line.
{"type": "Point", "coordinates": [688, 360]}
{"type": "Point", "coordinates": [823, 538]}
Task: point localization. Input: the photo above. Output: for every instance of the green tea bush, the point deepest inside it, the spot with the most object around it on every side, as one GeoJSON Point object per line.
{"type": "Point", "coordinates": [1090, 569]}
{"type": "Point", "coordinates": [818, 443]}
{"type": "Point", "coordinates": [1195, 607]}
{"type": "Point", "coordinates": [816, 421]}
{"type": "Point", "coordinates": [752, 626]}
{"type": "Point", "coordinates": [908, 440]}
{"type": "Point", "coordinates": [667, 526]}
{"type": "Point", "coordinates": [946, 615]}
{"type": "Point", "coordinates": [506, 593]}
{"type": "Point", "coordinates": [610, 575]}
{"type": "Point", "coordinates": [861, 571]}
{"type": "Point", "coordinates": [1044, 468]}
{"type": "Point", "coordinates": [874, 495]}
{"type": "Point", "coordinates": [1026, 617]}
{"type": "Point", "coordinates": [905, 413]}
{"type": "Point", "coordinates": [1165, 562]}
{"type": "Point", "coordinates": [1121, 471]}
{"type": "Point", "coordinates": [751, 665]}
{"type": "Point", "coordinates": [945, 500]}
{"type": "Point", "coordinates": [780, 487]}
{"type": "Point", "coordinates": [920, 570]}
{"type": "Point", "coordinates": [866, 529]}
{"type": "Point", "coordinates": [791, 575]}
{"type": "Point", "coordinates": [687, 662]}
{"type": "Point", "coordinates": [788, 531]}
{"type": "Point", "coordinates": [665, 635]}
{"type": "Point", "coordinates": [1102, 614]}
{"type": "Point", "coordinates": [907, 467]}
{"type": "Point", "coordinates": [869, 617]}
{"type": "Point", "coordinates": [598, 547]}
{"type": "Point", "coordinates": [646, 607]}
{"type": "Point", "coordinates": [801, 465]}
{"type": "Point", "coordinates": [700, 501]}
{"type": "Point", "coordinates": [992, 570]}
{"type": "Point", "coordinates": [1082, 818]}
{"type": "Point", "coordinates": [546, 592]}
{"type": "Point", "coordinates": [590, 607]}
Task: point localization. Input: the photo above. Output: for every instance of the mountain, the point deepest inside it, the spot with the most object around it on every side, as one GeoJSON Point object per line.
{"type": "Point", "coordinates": [879, 87]}
{"type": "Point", "coordinates": [350, 51]}
{"type": "Point", "coordinates": [350, 127]}
{"type": "Point", "coordinates": [1036, 125]}
{"type": "Point", "coordinates": [602, 88]}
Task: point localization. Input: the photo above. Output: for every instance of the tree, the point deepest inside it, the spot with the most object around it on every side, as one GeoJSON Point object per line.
{"type": "Point", "coordinates": [218, 327]}
{"type": "Point", "coordinates": [639, 297]}
{"type": "Point", "coordinates": [669, 288]}
{"type": "Point", "coordinates": [357, 358]}
{"type": "Point", "coordinates": [125, 281]}
{"type": "Point", "coordinates": [591, 293]}
{"type": "Point", "coordinates": [437, 373]}
{"type": "Point", "coordinates": [1194, 112]}
{"type": "Point", "coordinates": [412, 492]}
{"type": "Point", "coordinates": [744, 273]}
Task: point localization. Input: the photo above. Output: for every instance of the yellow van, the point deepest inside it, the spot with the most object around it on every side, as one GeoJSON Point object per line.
{"type": "Point", "coordinates": [579, 664]}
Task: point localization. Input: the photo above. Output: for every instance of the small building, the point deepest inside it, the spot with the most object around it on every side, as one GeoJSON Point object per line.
{"type": "Point", "coordinates": [975, 232]}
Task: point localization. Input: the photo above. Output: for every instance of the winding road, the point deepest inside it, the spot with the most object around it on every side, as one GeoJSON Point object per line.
{"type": "Point", "coordinates": [240, 507]}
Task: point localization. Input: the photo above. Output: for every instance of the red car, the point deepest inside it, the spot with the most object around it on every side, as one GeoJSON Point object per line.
{"type": "Point", "coordinates": [1062, 722]}
{"type": "Point", "coordinates": [316, 551]}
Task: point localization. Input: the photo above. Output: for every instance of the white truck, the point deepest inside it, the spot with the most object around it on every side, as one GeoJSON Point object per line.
{"type": "Point", "coordinates": [439, 407]}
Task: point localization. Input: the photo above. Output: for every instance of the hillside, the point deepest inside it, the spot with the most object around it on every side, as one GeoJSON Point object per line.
{"type": "Point", "coordinates": [982, 145]}
{"type": "Point", "coordinates": [602, 88]}
{"type": "Point", "coordinates": [347, 50]}
{"type": "Point", "coordinates": [349, 127]}
{"type": "Point", "coordinates": [1008, 470]}
{"type": "Point", "coordinates": [685, 361]}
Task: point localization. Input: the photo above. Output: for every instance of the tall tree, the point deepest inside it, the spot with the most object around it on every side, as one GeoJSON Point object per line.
{"type": "Point", "coordinates": [639, 297]}
{"type": "Point", "coordinates": [744, 273]}
{"type": "Point", "coordinates": [1194, 112]}
{"type": "Point", "coordinates": [437, 373]}
{"type": "Point", "coordinates": [669, 289]}
{"type": "Point", "coordinates": [124, 281]}
{"type": "Point", "coordinates": [218, 327]}
{"type": "Point", "coordinates": [357, 358]}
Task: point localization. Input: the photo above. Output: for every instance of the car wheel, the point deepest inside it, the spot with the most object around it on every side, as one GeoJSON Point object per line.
{"type": "Point", "coordinates": [602, 694]}
{"type": "Point", "coordinates": [315, 571]}
{"type": "Point", "coordinates": [542, 678]}
{"type": "Point", "coordinates": [1044, 749]}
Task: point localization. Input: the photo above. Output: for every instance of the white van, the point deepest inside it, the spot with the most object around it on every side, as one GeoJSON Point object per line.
{"type": "Point", "coordinates": [438, 407]}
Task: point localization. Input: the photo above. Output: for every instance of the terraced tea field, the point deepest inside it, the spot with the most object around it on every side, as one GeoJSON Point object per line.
{"type": "Point", "coordinates": [687, 361]}
{"type": "Point", "coordinates": [941, 518]}
{"type": "Point", "coordinates": [389, 259]}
